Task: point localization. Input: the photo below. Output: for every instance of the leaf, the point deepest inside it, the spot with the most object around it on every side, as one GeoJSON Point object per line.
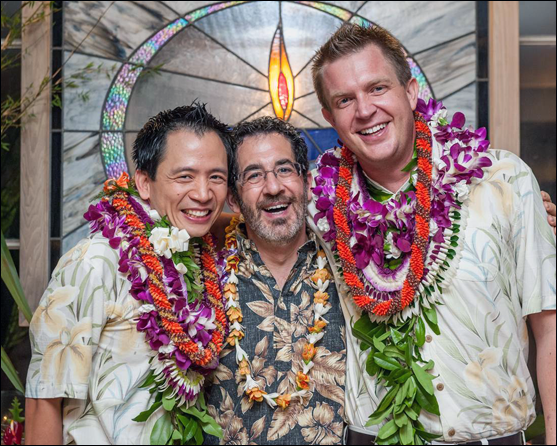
{"type": "Point", "coordinates": [396, 336]}
{"type": "Point", "coordinates": [420, 332]}
{"type": "Point", "coordinates": [407, 434]}
{"type": "Point", "coordinates": [162, 430]}
{"type": "Point", "coordinates": [387, 399]}
{"type": "Point", "coordinates": [378, 417]}
{"type": "Point", "coordinates": [431, 319]}
{"type": "Point", "coordinates": [9, 369]}
{"type": "Point", "coordinates": [371, 367]}
{"type": "Point", "coordinates": [401, 419]}
{"type": "Point", "coordinates": [190, 426]}
{"type": "Point", "coordinates": [176, 435]}
{"type": "Point", "coordinates": [211, 427]}
{"type": "Point", "coordinates": [11, 279]}
{"type": "Point", "coordinates": [385, 362]}
{"type": "Point", "coordinates": [426, 401]}
{"type": "Point", "coordinates": [378, 345]}
{"type": "Point", "coordinates": [144, 416]}
{"type": "Point", "coordinates": [168, 404]}
{"type": "Point", "coordinates": [424, 378]}
{"type": "Point", "coordinates": [387, 430]}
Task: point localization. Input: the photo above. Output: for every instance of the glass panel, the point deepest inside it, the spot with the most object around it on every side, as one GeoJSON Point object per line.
{"type": "Point", "coordinates": [192, 52]}
{"type": "Point", "coordinates": [92, 77]}
{"type": "Point", "coordinates": [247, 30]}
{"type": "Point", "coordinates": [9, 9]}
{"type": "Point", "coordinates": [421, 25]}
{"type": "Point", "coordinates": [537, 18]}
{"type": "Point", "coordinates": [451, 66]}
{"type": "Point", "coordinates": [463, 101]}
{"type": "Point", "coordinates": [83, 177]}
{"type": "Point", "coordinates": [309, 106]}
{"type": "Point", "coordinates": [303, 83]}
{"type": "Point", "coordinates": [155, 93]}
{"type": "Point", "coordinates": [351, 6]}
{"type": "Point", "coordinates": [319, 141]}
{"type": "Point", "coordinates": [129, 138]}
{"type": "Point", "coordinates": [184, 7]}
{"type": "Point", "coordinates": [10, 173]}
{"type": "Point", "coordinates": [305, 30]}
{"type": "Point", "coordinates": [109, 38]}
{"type": "Point", "coordinates": [265, 111]}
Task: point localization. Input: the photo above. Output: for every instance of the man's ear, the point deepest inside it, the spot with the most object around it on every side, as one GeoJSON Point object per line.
{"type": "Point", "coordinates": [328, 116]}
{"type": "Point", "coordinates": [143, 184]}
{"type": "Point", "coordinates": [233, 202]}
{"type": "Point", "coordinates": [412, 91]}
{"type": "Point", "coordinates": [309, 182]}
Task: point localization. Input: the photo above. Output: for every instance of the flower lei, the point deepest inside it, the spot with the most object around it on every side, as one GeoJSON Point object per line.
{"type": "Point", "coordinates": [421, 231]}
{"type": "Point", "coordinates": [186, 337]}
{"type": "Point", "coordinates": [321, 279]}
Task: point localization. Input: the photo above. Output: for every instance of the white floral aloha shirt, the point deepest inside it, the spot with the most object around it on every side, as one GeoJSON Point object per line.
{"type": "Point", "coordinates": [87, 350]}
{"type": "Point", "coordinates": [507, 272]}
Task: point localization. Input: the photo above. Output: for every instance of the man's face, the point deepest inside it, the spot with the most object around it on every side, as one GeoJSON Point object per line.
{"type": "Point", "coordinates": [191, 181]}
{"type": "Point", "coordinates": [275, 210]}
{"type": "Point", "coordinates": [371, 111]}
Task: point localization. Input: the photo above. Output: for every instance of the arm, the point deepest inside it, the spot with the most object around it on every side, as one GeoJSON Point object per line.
{"type": "Point", "coordinates": [551, 210]}
{"type": "Point", "coordinates": [43, 421]}
{"type": "Point", "coordinates": [543, 327]}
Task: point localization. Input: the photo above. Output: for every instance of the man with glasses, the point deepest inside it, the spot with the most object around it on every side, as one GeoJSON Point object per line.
{"type": "Point", "coordinates": [278, 268]}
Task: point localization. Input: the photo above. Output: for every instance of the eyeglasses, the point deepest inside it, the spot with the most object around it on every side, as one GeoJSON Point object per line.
{"type": "Point", "coordinates": [284, 173]}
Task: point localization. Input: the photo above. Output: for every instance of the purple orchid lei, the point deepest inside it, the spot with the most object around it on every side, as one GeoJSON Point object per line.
{"type": "Point", "coordinates": [172, 373]}
{"type": "Point", "coordinates": [383, 232]}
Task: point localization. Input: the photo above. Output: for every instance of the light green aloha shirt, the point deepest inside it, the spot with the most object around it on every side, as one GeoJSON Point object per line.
{"type": "Point", "coordinates": [87, 350]}
{"type": "Point", "coordinates": [507, 272]}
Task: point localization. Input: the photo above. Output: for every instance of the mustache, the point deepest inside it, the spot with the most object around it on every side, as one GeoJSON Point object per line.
{"type": "Point", "coordinates": [271, 201]}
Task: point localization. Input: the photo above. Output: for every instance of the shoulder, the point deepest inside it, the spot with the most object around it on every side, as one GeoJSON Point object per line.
{"type": "Point", "coordinates": [508, 165]}
{"type": "Point", "coordinates": [93, 255]}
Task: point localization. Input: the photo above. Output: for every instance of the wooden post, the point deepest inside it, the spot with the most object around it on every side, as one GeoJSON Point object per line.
{"type": "Point", "coordinates": [504, 76]}
{"type": "Point", "coordinates": [34, 265]}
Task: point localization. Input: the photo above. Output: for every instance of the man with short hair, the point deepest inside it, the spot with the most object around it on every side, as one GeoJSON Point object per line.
{"type": "Point", "coordinates": [445, 253]}
{"type": "Point", "coordinates": [281, 377]}
{"type": "Point", "coordinates": [108, 340]}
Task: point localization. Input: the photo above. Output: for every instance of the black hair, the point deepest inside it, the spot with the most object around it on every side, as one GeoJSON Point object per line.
{"type": "Point", "coordinates": [150, 145]}
{"type": "Point", "coordinates": [266, 126]}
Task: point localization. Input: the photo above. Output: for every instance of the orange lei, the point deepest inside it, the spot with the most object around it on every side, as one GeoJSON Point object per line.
{"type": "Point", "coordinates": [419, 246]}
{"type": "Point", "coordinates": [199, 356]}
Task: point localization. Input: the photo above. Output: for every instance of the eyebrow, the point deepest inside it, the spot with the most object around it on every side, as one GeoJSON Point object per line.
{"type": "Point", "coordinates": [370, 84]}
{"type": "Point", "coordinates": [281, 162]}
{"type": "Point", "coordinates": [192, 170]}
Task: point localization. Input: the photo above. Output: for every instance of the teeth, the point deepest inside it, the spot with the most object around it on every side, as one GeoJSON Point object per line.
{"type": "Point", "coordinates": [197, 213]}
{"type": "Point", "coordinates": [373, 129]}
{"type": "Point", "coordinates": [274, 208]}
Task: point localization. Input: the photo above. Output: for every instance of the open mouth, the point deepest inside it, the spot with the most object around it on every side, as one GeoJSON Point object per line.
{"type": "Point", "coordinates": [197, 214]}
{"type": "Point", "coordinates": [276, 209]}
{"type": "Point", "coordinates": [376, 129]}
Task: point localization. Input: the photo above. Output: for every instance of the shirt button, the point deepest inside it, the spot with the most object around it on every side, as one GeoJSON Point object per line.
{"type": "Point", "coordinates": [451, 432]}
{"type": "Point", "coordinates": [429, 338]}
{"type": "Point", "coordinates": [440, 387]}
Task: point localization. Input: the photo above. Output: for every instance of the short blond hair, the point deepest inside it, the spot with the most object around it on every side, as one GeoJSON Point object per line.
{"type": "Point", "coordinates": [351, 38]}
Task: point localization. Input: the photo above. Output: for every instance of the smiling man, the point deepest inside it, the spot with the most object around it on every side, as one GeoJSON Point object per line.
{"type": "Point", "coordinates": [112, 328]}
{"type": "Point", "coordinates": [281, 377]}
{"type": "Point", "coordinates": [445, 252]}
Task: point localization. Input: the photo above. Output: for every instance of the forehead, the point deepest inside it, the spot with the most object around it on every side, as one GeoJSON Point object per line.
{"type": "Point", "coordinates": [264, 149]}
{"type": "Point", "coordinates": [188, 148]}
{"type": "Point", "coordinates": [357, 69]}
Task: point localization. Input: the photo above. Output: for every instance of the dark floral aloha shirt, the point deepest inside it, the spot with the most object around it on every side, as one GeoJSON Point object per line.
{"type": "Point", "coordinates": [276, 323]}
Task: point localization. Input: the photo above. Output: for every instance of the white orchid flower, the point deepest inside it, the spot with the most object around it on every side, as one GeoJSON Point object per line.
{"type": "Point", "coordinates": [147, 308]}
{"type": "Point", "coordinates": [322, 286]}
{"type": "Point", "coordinates": [250, 383]}
{"type": "Point", "coordinates": [237, 326]}
{"type": "Point", "coordinates": [240, 354]}
{"type": "Point", "coordinates": [313, 338]}
{"type": "Point", "coordinates": [181, 268]}
{"type": "Point", "coordinates": [307, 367]}
{"type": "Point", "coordinates": [233, 278]}
{"type": "Point", "coordinates": [321, 262]}
{"type": "Point", "coordinates": [270, 399]}
{"type": "Point", "coordinates": [231, 303]}
{"type": "Point", "coordinates": [155, 216]}
{"type": "Point", "coordinates": [320, 310]}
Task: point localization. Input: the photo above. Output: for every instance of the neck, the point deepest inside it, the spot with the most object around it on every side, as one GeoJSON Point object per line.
{"type": "Point", "coordinates": [279, 258]}
{"type": "Point", "coordinates": [389, 174]}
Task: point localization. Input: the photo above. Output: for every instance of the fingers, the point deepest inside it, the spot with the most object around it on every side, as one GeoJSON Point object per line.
{"type": "Point", "coordinates": [546, 196]}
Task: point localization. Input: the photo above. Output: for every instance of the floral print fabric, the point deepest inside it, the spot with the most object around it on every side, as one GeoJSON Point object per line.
{"type": "Point", "coordinates": [276, 324]}
{"type": "Point", "coordinates": [506, 272]}
{"type": "Point", "coordinates": [87, 350]}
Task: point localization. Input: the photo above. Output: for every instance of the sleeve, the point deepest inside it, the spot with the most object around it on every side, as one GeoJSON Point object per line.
{"type": "Point", "coordinates": [66, 328]}
{"type": "Point", "coordinates": [535, 244]}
